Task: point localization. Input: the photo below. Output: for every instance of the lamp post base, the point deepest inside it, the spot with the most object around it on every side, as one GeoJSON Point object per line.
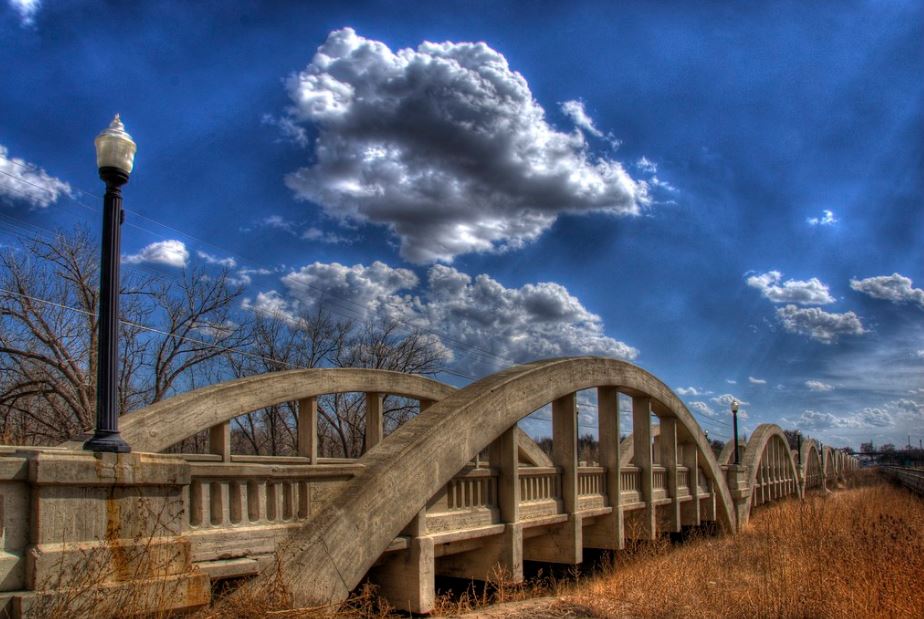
{"type": "Point", "coordinates": [107, 441]}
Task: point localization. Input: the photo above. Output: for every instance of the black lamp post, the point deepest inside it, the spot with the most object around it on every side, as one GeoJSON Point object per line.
{"type": "Point", "coordinates": [115, 155]}
{"type": "Point", "coordinates": [734, 410]}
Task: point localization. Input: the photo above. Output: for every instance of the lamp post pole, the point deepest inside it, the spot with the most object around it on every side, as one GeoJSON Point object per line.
{"type": "Point", "coordinates": [734, 410]}
{"type": "Point", "coordinates": [115, 153]}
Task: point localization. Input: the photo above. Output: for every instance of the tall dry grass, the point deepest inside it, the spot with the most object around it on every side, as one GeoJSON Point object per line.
{"type": "Point", "coordinates": [853, 553]}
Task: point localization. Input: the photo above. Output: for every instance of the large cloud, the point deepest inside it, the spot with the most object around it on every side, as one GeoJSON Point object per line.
{"type": "Point", "coordinates": [446, 146]}
{"type": "Point", "coordinates": [895, 288]}
{"type": "Point", "coordinates": [808, 292]}
{"type": "Point", "coordinates": [486, 324]}
{"type": "Point", "coordinates": [825, 327]}
{"type": "Point", "coordinates": [21, 181]}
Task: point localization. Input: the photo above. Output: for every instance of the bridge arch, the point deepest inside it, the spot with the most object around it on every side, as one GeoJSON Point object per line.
{"type": "Point", "coordinates": [727, 455]}
{"type": "Point", "coordinates": [810, 457]}
{"type": "Point", "coordinates": [400, 474]}
{"type": "Point", "coordinates": [771, 466]}
{"type": "Point", "coordinates": [165, 423]}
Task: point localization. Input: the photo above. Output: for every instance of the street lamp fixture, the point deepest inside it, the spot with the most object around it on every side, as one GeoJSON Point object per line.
{"type": "Point", "coordinates": [734, 411]}
{"type": "Point", "coordinates": [115, 156]}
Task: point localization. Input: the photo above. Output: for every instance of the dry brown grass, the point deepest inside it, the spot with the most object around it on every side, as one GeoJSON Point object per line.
{"type": "Point", "coordinates": [853, 553]}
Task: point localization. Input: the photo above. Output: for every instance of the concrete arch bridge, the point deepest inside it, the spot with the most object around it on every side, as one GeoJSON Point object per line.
{"type": "Point", "coordinates": [459, 490]}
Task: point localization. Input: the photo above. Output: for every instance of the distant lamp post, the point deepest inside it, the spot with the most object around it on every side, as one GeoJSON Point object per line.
{"type": "Point", "coordinates": [734, 410]}
{"type": "Point", "coordinates": [115, 155]}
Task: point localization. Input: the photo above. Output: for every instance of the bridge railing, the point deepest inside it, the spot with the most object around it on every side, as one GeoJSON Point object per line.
{"type": "Point", "coordinates": [910, 478]}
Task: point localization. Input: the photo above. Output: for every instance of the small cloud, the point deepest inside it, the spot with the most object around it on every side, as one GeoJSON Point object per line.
{"type": "Point", "coordinates": [578, 115]}
{"type": "Point", "coordinates": [244, 277]}
{"type": "Point", "coordinates": [321, 236]}
{"type": "Point", "coordinates": [731, 382]}
{"type": "Point", "coordinates": [895, 288]}
{"type": "Point", "coordinates": [646, 165]}
{"type": "Point", "coordinates": [702, 408]}
{"type": "Point", "coordinates": [279, 222]}
{"type": "Point", "coordinates": [817, 385]}
{"type": "Point", "coordinates": [756, 381]}
{"type": "Point", "coordinates": [21, 181]}
{"type": "Point", "coordinates": [726, 399]}
{"type": "Point", "coordinates": [803, 292]}
{"type": "Point", "coordinates": [26, 10]}
{"type": "Point", "coordinates": [290, 131]}
{"type": "Point", "coordinates": [170, 253]}
{"type": "Point", "coordinates": [691, 391]}
{"type": "Point", "coordinates": [827, 219]}
{"type": "Point", "coordinates": [819, 325]}
{"type": "Point", "coordinates": [223, 262]}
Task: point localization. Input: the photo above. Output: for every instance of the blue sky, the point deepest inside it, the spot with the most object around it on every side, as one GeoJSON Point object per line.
{"type": "Point", "coordinates": [728, 194]}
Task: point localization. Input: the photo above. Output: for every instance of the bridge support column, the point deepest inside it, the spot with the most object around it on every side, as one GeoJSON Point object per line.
{"type": "Point", "coordinates": [641, 443]}
{"type": "Point", "coordinates": [308, 429]}
{"type": "Point", "coordinates": [606, 532]}
{"type": "Point", "coordinates": [407, 579]}
{"type": "Point", "coordinates": [375, 424]}
{"type": "Point", "coordinates": [669, 462]}
{"type": "Point", "coordinates": [563, 543]}
{"type": "Point", "coordinates": [689, 511]}
{"type": "Point", "coordinates": [737, 476]}
{"type": "Point", "coordinates": [220, 440]}
{"type": "Point", "coordinates": [504, 552]}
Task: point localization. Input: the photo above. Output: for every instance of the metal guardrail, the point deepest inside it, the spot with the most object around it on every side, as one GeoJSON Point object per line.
{"type": "Point", "coordinates": [913, 479]}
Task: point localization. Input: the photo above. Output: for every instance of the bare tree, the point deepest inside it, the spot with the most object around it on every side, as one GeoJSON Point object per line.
{"type": "Point", "coordinates": [48, 336]}
{"type": "Point", "coordinates": [317, 339]}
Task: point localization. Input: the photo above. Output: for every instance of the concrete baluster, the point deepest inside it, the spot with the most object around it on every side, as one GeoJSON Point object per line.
{"type": "Point", "coordinates": [375, 424]}
{"type": "Point", "coordinates": [220, 440]}
{"type": "Point", "coordinates": [308, 429]}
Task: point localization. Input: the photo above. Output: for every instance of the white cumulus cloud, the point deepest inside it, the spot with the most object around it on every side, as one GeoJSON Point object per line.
{"type": "Point", "coordinates": [21, 181]}
{"type": "Point", "coordinates": [444, 145]}
{"type": "Point", "coordinates": [756, 381]}
{"type": "Point", "coordinates": [171, 253]}
{"type": "Point", "coordinates": [488, 324]}
{"type": "Point", "coordinates": [895, 288]}
{"type": "Point", "coordinates": [825, 327]}
{"type": "Point", "coordinates": [802, 292]}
